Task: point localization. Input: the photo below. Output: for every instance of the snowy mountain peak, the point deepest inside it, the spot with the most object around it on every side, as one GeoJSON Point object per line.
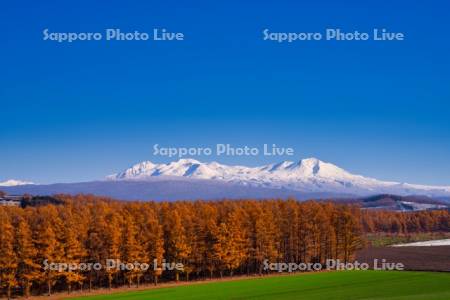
{"type": "Point", "coordinates": [187, 161]}
{"type": "Point", "coordinates": [13, 182]}
{"type": "Point", "coordinates": [306, 175]}
{"type": "Point", "coordinates": [311, 167]}
{"type": "Point", "coordinates": [310, 161]}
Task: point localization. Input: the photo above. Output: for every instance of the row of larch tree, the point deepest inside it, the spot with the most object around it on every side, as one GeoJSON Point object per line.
{"type": "Point", "coordinates": [210, 239]}
{"type": "Point", "coordinates": [394, 222]}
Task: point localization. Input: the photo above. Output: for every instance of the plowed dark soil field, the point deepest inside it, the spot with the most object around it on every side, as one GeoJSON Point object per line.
{"type": "Point", "coordinates": [436, 258]}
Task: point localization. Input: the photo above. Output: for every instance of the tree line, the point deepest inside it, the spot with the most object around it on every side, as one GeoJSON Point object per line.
{"type": "Point", "coordinates": [384, 221]}
{"type": "Point", "coordinates": [210, 238]}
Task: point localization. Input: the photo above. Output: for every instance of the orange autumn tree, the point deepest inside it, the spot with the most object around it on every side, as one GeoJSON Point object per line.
{"type": "Point", "coordinates": [176, 245]}
{"type": "Point", "coordinates": [230, 247]}
{"type": "Point", "coordinates": [45, 225]}
{"type": "Point", "coordinates": [130, 249]}
{"type": "Point", "coordinates": [27, 268]}
{"type": "Point", "coordinates": [8, 257]}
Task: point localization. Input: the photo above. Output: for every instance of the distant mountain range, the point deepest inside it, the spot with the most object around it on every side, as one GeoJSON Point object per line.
{"type": "Point", "coordinates": [309, 175]}
{"type": "Point", "coordinates": [191, 179]}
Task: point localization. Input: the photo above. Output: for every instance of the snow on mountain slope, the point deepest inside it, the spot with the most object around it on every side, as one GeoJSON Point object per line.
{"type": "Point", "coordinates": [13, 182]}
{"type": "Point", "coordinates": [306, 175]}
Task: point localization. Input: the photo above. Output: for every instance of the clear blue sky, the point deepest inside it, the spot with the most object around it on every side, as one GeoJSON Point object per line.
{"type": "Point", "coordinates": [80, 111]}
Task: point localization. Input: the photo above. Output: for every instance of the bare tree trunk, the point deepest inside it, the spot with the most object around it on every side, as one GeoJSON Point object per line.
{"type": "Point", "coordinates": [49, 287]}
{"type": "Point", "coordinates": [27, 290]}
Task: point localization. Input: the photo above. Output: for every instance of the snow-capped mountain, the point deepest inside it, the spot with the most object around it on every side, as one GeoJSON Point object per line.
{"type": "Point", "coordinates": [13, 182]}
{"type": "Point", "coordinates": [309, 175]}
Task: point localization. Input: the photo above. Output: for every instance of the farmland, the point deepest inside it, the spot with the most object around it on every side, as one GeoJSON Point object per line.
{"type": "Point", "coordinates": [327, 285]}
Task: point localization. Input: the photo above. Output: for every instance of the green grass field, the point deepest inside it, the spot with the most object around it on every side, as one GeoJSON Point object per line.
{"type": "Point", "coordinates": [333, 285]}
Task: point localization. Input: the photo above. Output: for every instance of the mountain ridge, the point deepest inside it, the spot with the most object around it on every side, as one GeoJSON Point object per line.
{"type": "Point", "coordinates": [307, 175]}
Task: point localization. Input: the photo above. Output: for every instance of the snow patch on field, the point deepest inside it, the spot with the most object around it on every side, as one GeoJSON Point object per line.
{"type": "Point", "coordinates": [445, 242]}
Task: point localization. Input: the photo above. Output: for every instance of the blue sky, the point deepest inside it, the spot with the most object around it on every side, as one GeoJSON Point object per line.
{"type": "Point", "coordinates": [80, 111]}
